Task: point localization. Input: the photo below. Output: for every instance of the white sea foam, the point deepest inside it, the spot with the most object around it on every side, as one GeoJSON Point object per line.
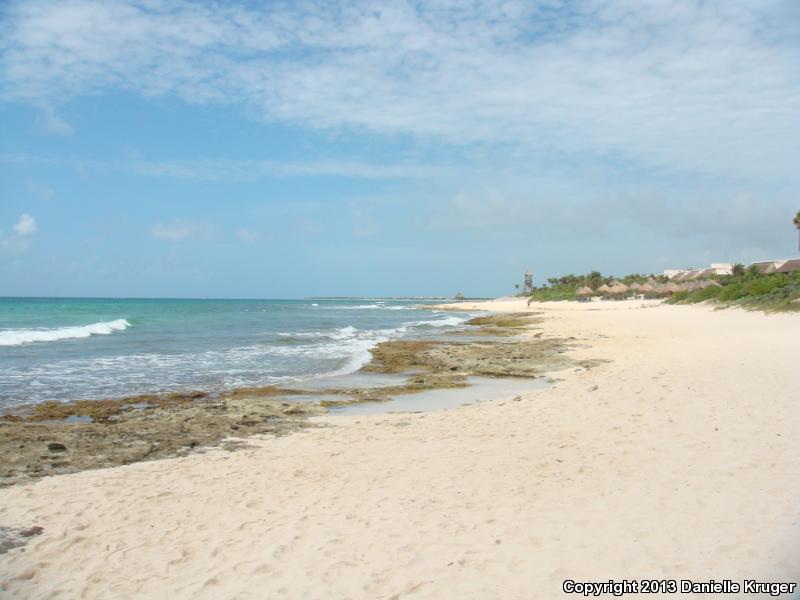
{"type": "Point", "coordinates": [360, 306]}
{"type": "Point", "coordinates": [350, 332]}
{"type": "Point", "coordinates": [17, 337]}
{"type": "Point", "coordinates": [342, 348]}
{"type": "Point", "coordinates": [446, 322]}
{"type": "Point", "coordinates": [376, 306]}
{"type": "Point", "coordinates": [342, 333]}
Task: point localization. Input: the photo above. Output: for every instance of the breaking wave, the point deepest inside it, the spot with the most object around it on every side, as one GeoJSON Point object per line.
{"type": "Point", "coordinates": [446, 322]}
{"type": "Point", "coordinates": [18, 337]}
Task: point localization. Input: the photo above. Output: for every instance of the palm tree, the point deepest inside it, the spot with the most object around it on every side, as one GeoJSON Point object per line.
{"type": "Point", "coordinates": [796, 222]}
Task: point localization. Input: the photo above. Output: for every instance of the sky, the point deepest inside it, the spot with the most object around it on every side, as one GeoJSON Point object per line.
{"type": "Point", "coordinates": [290, 149]}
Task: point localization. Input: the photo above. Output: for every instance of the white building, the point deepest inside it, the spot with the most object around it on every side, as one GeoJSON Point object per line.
{"type": "Point", "coordinates": [786, 265]}
{"type": "Point", "coordinates": [692, 274]}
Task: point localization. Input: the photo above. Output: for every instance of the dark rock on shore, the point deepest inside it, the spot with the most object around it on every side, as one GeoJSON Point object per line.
{"type": "Point", "coordinates": [90, 434]}
{"type": "Point", "coordinates": [520, 358]}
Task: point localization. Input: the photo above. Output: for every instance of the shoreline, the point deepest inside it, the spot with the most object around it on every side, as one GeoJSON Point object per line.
{"type": "Point", "coordinates": [55, 438]}
{"type": "Point", "coordinates": [673, 456]}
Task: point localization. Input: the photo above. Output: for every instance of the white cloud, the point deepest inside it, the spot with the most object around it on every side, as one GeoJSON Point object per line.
{"type": "Point", "coordinates": [50, 122]}
{"type": "Point", "coordinates": [25, 226]}
{"type": "Point", "coordinates": [706, 87]}
{"type": "Point", "coordinates": [20, 239]}
{"type": "Point", "coordinates": [177, 230]}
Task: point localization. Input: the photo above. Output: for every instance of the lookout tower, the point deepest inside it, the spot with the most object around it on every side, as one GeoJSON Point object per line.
{"type": "Point", "coordinates": [527, 286]}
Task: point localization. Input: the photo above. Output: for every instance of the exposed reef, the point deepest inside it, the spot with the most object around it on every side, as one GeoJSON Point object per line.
{"type": "Point", "coordinates": [62, 437]}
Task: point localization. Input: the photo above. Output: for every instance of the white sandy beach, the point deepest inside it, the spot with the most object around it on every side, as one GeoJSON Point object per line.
{"type": "Point", "coordinates": [677, 458]}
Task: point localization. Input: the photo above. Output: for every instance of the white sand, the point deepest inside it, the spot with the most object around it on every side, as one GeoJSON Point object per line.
{"type": "Point", "coordinates": [683, 463]}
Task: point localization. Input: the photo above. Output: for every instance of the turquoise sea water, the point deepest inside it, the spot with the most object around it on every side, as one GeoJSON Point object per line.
{"type": "Point", "coordinates": [65, 349]}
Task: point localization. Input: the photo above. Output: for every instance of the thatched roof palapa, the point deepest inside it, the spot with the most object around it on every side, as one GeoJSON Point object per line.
{"type": "Point", "coordinates": [789, 266]}
{"type": "Point", "coordinates": [618, 288]}
{"type": "Point", "coordinates": [708, 283]}
{"type": "Point", "coordinates": [584, 291]}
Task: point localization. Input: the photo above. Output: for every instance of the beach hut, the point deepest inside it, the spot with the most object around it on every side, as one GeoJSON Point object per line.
{"type": "Point", "coordinates": [766, 267]}
{"type": "Point", "coordinates": [618, 289]}
{"type": "Point", "coordinates": [670, 288]}
{"type": "Point", "coordinates": [680, 276]}
{"type": "Point", "coordinates": [648, 289]}
{"type": "Point", "coordinates": [708, 283]}
{"type": "Point", "coordinates": [603, 289]}
{"type": "Point", "coordinates": [789, 266]}
{"type": "Point", "coordinates": [584, 292]}
{"type": "Point", "coordinates": [701, 274]}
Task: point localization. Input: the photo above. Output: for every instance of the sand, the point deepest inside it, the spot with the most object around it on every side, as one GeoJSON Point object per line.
{"type": "Point", "coordinates": [677, 458]}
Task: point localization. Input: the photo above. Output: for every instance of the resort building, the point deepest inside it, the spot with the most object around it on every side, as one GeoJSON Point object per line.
{"type": "Point", "coordinates": [694, 274]}
{"type": "Point", "coordinates": [778, 266]}
{"type": "Point", "coordinates": [786, 265]}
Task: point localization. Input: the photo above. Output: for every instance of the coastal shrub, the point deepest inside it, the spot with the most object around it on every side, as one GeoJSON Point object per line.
{"type": "Point", "coordinates": [704, 294]}
{"type": "Point", "coordinates": [678, 297]}
{"type": "Point", "coordinates": [547, 294]}
{"type": "Point", "coordinates": [764, 285]}
{"type": "Point", "coordinates": [786, 296]}
{"type": "Point", "coordinates": [746, 286]}
{"type": "Point", "coordinates": [732, 291]}
{"type": "Point", "coordinates": [565, 287]}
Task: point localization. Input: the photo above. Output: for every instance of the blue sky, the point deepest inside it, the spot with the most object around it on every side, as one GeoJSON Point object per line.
{"type": "Point", "coordinates": [219, 149]}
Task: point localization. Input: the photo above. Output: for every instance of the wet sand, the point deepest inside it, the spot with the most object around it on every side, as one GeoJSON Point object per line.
{"type": "Point", "coordinates": [55, 438]}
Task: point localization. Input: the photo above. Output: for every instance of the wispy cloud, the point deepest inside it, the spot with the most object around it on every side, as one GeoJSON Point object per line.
{"type": "Point", "coordinates": [708, 87]}
{"type": "Point", "coordinates": [223, 169]}
{"type": "Point", "coordinates": [51, 123]}
{"type": "Point", "coordinates": [243, 170]}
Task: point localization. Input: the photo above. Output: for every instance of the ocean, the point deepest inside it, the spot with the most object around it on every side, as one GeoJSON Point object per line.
{"type": "Point", "coordinates": [67, 349]}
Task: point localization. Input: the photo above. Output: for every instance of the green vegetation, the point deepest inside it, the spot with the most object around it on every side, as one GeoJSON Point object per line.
{"type": "Point", "coordinates": [565, 288]}
{"type": "Point", "coordinates": [748, 287]}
